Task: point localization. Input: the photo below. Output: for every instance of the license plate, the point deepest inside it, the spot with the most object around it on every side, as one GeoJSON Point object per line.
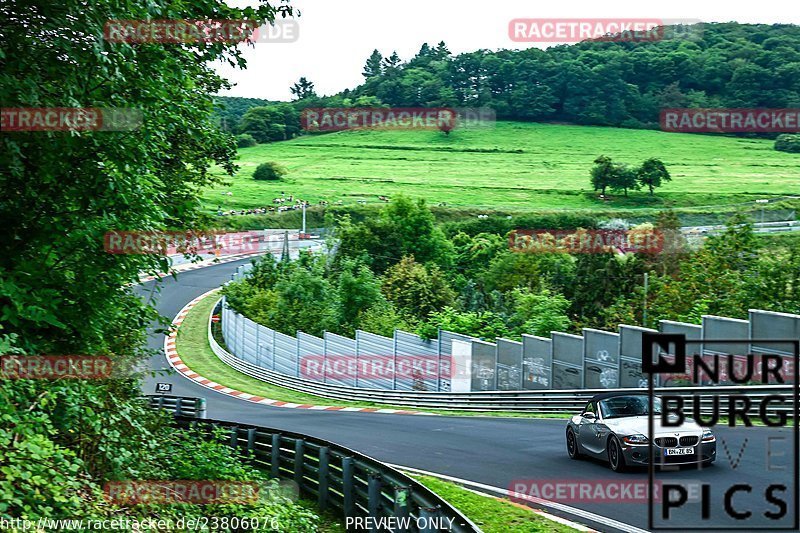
{"type": "Point", "coordinates": [679, 451]}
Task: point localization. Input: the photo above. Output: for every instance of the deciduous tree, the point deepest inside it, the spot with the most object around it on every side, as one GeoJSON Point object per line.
{"type": "Point", "coordinates": [652, 174]}
{"type": "Point", "coordinates": [415, 289]}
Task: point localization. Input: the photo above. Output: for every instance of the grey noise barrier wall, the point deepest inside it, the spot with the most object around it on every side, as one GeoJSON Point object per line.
{"type": "Point", "coordinates": [541, 401]}
{"type": "Point", "coordinates": [595, 360]}
{"type": "Point", "coordinates": [537, 363]}
{"type": "Point", "coordinates": [600, 359]}
{"type": "Point", "coordinates": [509, 365]}
{"type": "Point", "coordinates": [567, 360]}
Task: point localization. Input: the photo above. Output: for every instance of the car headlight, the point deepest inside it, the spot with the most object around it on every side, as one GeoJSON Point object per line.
{"type": "Point", "coordinates": [635, 440]}
{"type": "Point", "coordinates": [708, 436]}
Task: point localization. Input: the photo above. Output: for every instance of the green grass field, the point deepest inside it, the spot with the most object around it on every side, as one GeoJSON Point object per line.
{"type": "Point", "coordinates": [492, 515]}
{"type": "Point", "coordinates": [519, 166]}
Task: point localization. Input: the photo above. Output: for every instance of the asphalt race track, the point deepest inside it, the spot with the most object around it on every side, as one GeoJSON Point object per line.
{"type": "Point", "coordinates": [501, 451]}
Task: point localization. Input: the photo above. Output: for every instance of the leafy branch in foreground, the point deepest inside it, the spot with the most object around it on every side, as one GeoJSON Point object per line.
{"type": "Point", "coordinates": [60, 292]}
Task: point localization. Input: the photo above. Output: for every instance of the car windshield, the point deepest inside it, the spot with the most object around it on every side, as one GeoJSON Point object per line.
{"type": "Point", "coordinates": [622, 406]}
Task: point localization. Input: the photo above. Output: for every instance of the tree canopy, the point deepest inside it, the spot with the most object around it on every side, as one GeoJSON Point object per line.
{"type": "Point", "coordinates": [62, 294]}
{"type": "Point", "coordinates": [606, 82]}
{"type": "Point", "coordinates": [594, 82]}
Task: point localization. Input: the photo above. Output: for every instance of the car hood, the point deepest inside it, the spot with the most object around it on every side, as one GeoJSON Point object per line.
{"type": "Point", "coordinates": [631, 425]}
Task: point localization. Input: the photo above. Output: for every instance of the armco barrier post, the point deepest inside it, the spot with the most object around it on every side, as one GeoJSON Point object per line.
{"type": "Point", "coordinates": [276, 455]}
{"type": "Point", "coordinates": [179, 407]}
{"type": "Point", "coordinates": [200, 409]}
{"type": "Point", "coordinates": [251, 441]}
{"type": "Point", "coordinates": [401, 498]}
{"type": "Point", "coordinates": [428, 519]}
{"type": "Point", "coordinates": [299, 450]}
{"type": "Point", "coordinates": [234, 443]}
{"type": "Point", "coordinates": [374, 484]}
{"type": "Point", "coordinates": [347, 486]}
{"type": "Point", "coordinates": [324, 457]}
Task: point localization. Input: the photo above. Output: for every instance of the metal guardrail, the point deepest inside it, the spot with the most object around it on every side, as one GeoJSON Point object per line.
{"type": "Point", "coordinates": [179, 406]}
{"type": "Point", "coordinates": [545, 402]}
{"type": "Point", "coordinates": [338, 478]}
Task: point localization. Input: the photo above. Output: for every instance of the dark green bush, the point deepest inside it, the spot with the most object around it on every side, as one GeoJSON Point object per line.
{"type": "Point", "coordinates": [245, 140]}
{"type": "Point", "coordinates": [269, 171]}
{"type": "Point", "coordinates": [788, 142]}
{"type": "Point", "coordinates": [500, 225]}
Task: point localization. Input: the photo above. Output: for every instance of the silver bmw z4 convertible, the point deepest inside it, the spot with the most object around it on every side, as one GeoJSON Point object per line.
{"type": "Point", "coordinates": [613, 427]}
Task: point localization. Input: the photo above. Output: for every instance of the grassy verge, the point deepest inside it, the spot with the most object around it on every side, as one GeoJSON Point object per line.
{"type": "Point", "coordinates": [489, 513]}
{"type": "Point", "coordinates": [195, 352]}
{"type": "Point", "coordinates": [328, 521]}
{"type": "Point", "coordinates": [771, 240]}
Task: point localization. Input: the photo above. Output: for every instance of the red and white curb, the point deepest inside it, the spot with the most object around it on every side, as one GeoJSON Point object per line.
{"type": "Point", "coordinates": [175, 362]}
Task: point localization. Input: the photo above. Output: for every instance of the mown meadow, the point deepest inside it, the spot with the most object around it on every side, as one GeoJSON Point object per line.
{"type": "Point", "coordinates": [511, 165]}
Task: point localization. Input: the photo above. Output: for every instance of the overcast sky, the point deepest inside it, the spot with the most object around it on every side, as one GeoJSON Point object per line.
{"type": "Point", "coordinates": [337, 36]}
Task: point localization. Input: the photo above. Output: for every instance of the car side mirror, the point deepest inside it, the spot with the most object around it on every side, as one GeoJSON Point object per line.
{"type": "Point", "coordinates": [589, 416]}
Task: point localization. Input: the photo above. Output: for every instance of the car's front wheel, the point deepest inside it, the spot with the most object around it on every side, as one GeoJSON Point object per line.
{"type": "Point", "coordinates": [572, 445]}
{"type": "Point", "coordinates": [615, 457]}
